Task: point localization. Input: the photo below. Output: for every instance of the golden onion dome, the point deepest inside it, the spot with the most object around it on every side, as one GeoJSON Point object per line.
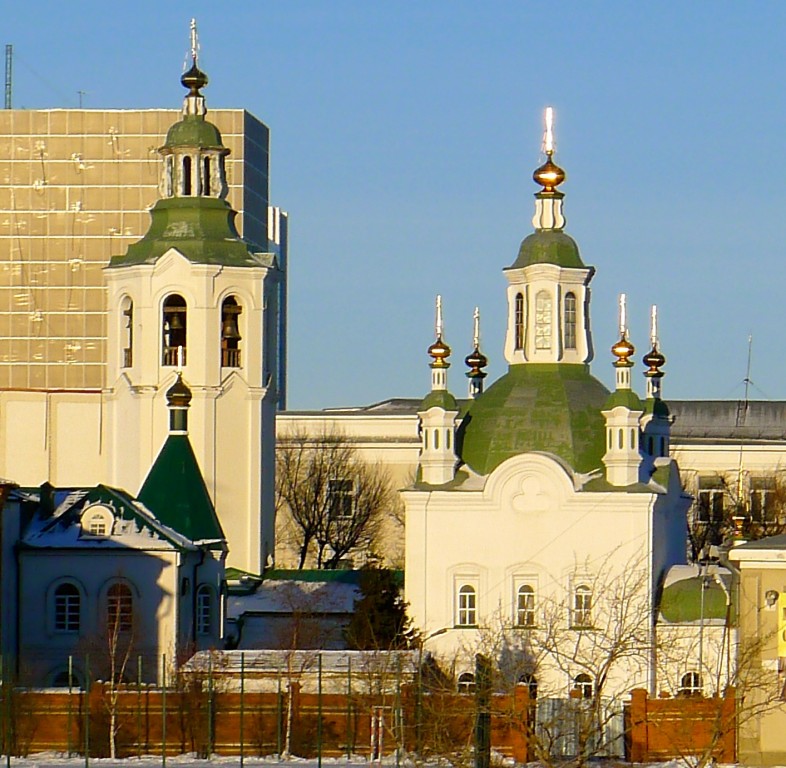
{"type": "Point", "coordinates": [178, 395]}
{"type": "Point", "coordinates": [475, 361]}
{"type": "Point", "coordinates": [549, 175]}
{"type": "Point", "coordinates": [622, 350]}
{"type": "Point", "coordinates": [439, 351]}
{"type": "Point", "coordinates": [654, 360]}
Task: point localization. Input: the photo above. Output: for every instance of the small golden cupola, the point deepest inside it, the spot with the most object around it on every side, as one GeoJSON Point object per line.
{"type": "Point", "coordinates": [439, 351]}
{"type": "Point", "coordinates": [548, 205]}
{"type": "Point", "coordinates": [476, 361]}
{"type": "Point", "coordinates": [623, 350]}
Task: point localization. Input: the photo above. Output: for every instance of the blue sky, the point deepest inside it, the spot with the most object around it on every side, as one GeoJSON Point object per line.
{"type": "Point", "coordinates": [404, 136]}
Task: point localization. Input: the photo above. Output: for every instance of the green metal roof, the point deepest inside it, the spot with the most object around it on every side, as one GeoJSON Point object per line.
{"type": "Point", "coordinates": [440, 398]}
{"type": "Point", "coordinates": [627, 398]}
{"type": "Point", "coordinates": [548, 246]}
{"type": "Point", "coordinates": [175, 492]}
{"type": "Point", "coordinates": [536, 407]}
{"type": "Point", "coordinates": [682, 601]}
{"type": "Point", "coordinates": [201, 228]}
{"type": "Point", "coordinates": [194, 131]}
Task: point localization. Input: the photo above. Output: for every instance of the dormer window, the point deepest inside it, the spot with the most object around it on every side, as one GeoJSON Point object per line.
{"type": "Point", "coordinates": [98, 521]}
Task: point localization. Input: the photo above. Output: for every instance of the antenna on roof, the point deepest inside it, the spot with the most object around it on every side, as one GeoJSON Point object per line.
{"type": "Point", "coordinates": [742, 412]}
{"type": "Point", "coordinates": [9, 58]}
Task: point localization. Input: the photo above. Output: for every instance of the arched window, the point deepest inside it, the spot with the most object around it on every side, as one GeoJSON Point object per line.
{"type": "Point", "coordinates": [519, 322]}
{"type": "Point", "coordinates": [531, 682]}
{"type": "Point", "coordinates": [436, 439]}
{"type": "Point", "coordinates": [583, 684]}
{"type": "Point", "coordinates": [582, 606]}
{"type": "Point", "coordinates": [467, 607]}
{"type": "Point", "coordinates": [691, 685]}
{"type": "Point", "coordinates": [466, 683]}
{"type": "Point", "coordinates": [230, 335]}
{"type": "Point", "coordinates": [543, 320]}
{"type": "Point", "coordinates": [570, 321]}
{"type": "Point", "coordinates": [169, 172]}
{"type": "Point", "coordinates": [68, 603]}
{"type": "Point", "coordinates": [127, 332]}
{"type": "Point", "coordinates": [119, 609]}
{"type": "Point", "coordinates": [206, 177]}
{"type": "Point", "coordinates": [525, 606]}
{"type": "Point", "coordinates": [204, 610]}
{"type": "Point", "coordinates": [64, 679]}
{"type": "Point", "coordinates": [173, 329]}
{"type": "Point", "coordinates": [186, 175]}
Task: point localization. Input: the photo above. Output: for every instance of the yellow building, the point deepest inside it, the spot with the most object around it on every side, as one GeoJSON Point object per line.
{"type": "Point", "coordinates": [76, 187]}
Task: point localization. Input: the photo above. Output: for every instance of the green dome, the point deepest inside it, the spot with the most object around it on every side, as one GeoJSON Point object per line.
{"type": "Point", "coordinates": [683, 601]}
{"type": "Point", "coordinates": [627, 398]}
{"type": "Point", "coordinates": [548, 246]}
{"type": "Point", "coordinates": [440, 398]}
{"type": "Point", "coordinates": [194, 131]}
{"type": "Point", "coordinates": [536, 407]}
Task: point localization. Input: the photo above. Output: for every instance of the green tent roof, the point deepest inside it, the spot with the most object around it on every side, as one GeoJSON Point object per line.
{"type": "Point", "coordinates": [175, 492]}
{"type": "Point", "coordinates": [548, 246]}
{"type": "Point", "coordinates": [536, 407]}
{"type": "Point", "coordinates": [201, 228]}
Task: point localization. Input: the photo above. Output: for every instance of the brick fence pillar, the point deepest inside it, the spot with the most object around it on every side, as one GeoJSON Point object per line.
{"type": "Point", "coordinates": [638, 748]}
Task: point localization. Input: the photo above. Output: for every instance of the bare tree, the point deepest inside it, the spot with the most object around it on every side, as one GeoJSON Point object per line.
{"type": "Point", "coordinates": [333, 498]}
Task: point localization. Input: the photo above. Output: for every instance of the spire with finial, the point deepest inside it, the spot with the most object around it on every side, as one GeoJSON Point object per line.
{"type": "Point", "coordinates": [623, 349]}
{"type": "Point", "coordinates": [654, 359]}
{"type": "Point", "coordinates": [548, 205]}
{"type": "Point", "coordinates": [476, 360]}
{"type": "Point", "coordinates": [439, 351]}
{"type": "Point", "coordinates": [194, 79]}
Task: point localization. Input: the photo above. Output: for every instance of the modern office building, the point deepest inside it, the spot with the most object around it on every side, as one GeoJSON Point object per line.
{"type": "Point", "coordinates": [76, 187]}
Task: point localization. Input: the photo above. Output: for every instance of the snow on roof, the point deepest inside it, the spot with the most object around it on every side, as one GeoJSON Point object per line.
{"type": "Point", "coordinates": [276, 661]}
{"type": "Point", "coordinates": [294, 596]}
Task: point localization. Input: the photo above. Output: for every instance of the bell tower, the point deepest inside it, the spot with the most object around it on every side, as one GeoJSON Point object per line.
{"type": "Point", "coordinates": [192, 296]}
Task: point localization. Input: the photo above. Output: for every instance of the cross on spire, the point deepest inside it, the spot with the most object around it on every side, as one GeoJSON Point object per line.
{"type": "Point", "coordinates": [194, 41]}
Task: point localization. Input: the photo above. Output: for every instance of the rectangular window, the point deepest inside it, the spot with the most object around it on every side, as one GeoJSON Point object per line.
{"type": "Point", "coordinates": [341, 498]}
{"type": "Point", "coordinates": [710, 500]}
{"type": "Point", "coordinates": [67, 611]}
{"type": "Point", "coordinates": [582, 606]}
{"type": "Point", "coordinates": [762, 500]}
{"type": "Point", "coordinates": [204, 611]}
